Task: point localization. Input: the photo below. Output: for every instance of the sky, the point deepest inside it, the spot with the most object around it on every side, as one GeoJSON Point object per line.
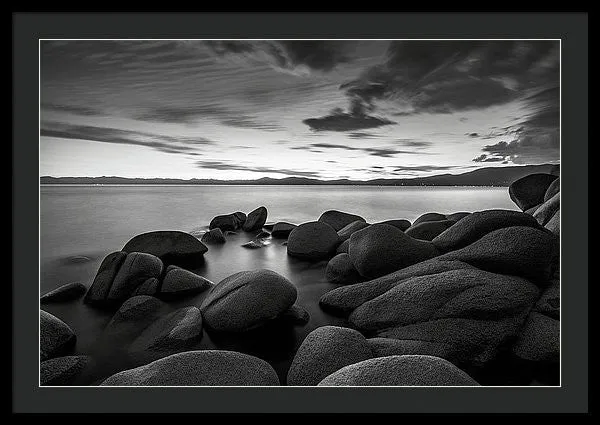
{"type": "Point", "coordinates": [325, 109]}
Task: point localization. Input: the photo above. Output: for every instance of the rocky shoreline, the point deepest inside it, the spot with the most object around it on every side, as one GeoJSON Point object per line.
{"type": "Point", "coordinates": [451, 299]}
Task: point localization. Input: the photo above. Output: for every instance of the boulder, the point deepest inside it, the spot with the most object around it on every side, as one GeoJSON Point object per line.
{"type": "Point", "coordinates": [68, 292]}
{"type": "Point", "coordinates": [312, 241]}
{"type": "Point", "coordinates": [246, 300]}
{"type": "Point", "coordinates": [172, 247]}
{"type": "Point", "coordinates": [429, 217]}
{"type": "Point", "coordinates": [149, 287]}
{"type": "Point", "coordinates": [549, 302]}
{"type": "Point", "coordinates": [552, 190]}
{"type": "Point", "coordinates": [281, 230]}
{"type": "Point", "coordinates": [226, 222]}
{"type": "Point", "coordinates": [547, 210]}
{"type": "Point", "coordinates": [253, 244]}
{"type": "Point", "coordinates": [296, 315]}
{"type": "Point", "coordinates": [338, 219]}
{"type": "Point", "coordinates": [539, 340]}
{"type": "Point", "coordinates": [341, 270]}
{"type": "Point", "coordinates": [105, 275]}
{"type": "Point", "coordinates": [240, 217]}
{"type": "Point", "coordinates": [346, 298]}
{"type": "Point", "coordinates": [62, 370]}
{"type": "Point", "coordinates": [381, 249]}
{"type": "Point", "coordinates": [409, 370]}
{"type": "Point", "coordinates": [521, 251]}
{"type": "Point", "coordinates": [134, 314]}
{"type": "Point", "coordinates": [173, 332]}
{"type": "Point", "coordinates": [400, 224]}
{"type": "Point", "coordinates": [181, 282]}
{"type": "Point", "coordinates": [199, 368]}
{"type": "Point", "coordinates": [255, 220]}
{"type": "Point", "coordinates": [457, 216]}
{"type": "Point", "coordinates": [477, 225]}
{"type": "Point", "coordinates": [135, 270]}
{"type": "Point", "coordinates": [347, 231]}
{"type": "Point", "coordinates": [269, 226]}
{"type": "Point", "coordinates": [213, 237]}
{"type": "Point", "coordinates": [532, 210]}
{"type": "Point", "coordinates": [529, 191]}
{"type": "Point", "coordinates": [553, 224]}
{"type": "Point", "coordinates": [324, 351]}
{"type": "Point", "coordinates": [383, 347]}
{"type": "Point", "coordinates": [428, 230]}
{"type": "Point", "coordinates": [343, 247]}
{"type": "Point", "coordinates": [56, 337]}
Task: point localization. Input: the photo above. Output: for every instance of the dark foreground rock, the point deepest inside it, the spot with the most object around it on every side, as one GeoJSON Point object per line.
{"type": "Point", "coordinates": [68, 292]}
{"type": "Point", "coordinates": [547, 210]}
{"type": "Point", "coordinates": [553, 224]}
{"type": "Point", "coordinates": [432, 216]}
{"type": "Point", "coordinates": [213, 237]}
{"type": "Point", "coordinates": [56, 337]}
{"type": "Point", "coordinates": [201, 368]}
{"type": "Point", "coordinates": [552, 190]}
{"type": "Point", "coordinates": [343, 247]}
{"type": "Point", "coordinates": [383, 347]}
{"type": "Point", "coordinates": [428, 230]}
{"type": "Point", "coordinates": [410, 370]}
{"type": "Point", "coordinates": [255, 220]}
{"type": "Point", "coordinates": [338, 219]}
{"type": "Point", "coordinates": [172, 247]}
{"type": "Point", "coordinates": [345, 232]}
{"type": "Point", "coordinates": [247, 300]}
{"type": "Point", "coordinates": [539, 340]}
{"type": "Point", "coordinates": [137, 268]}
{"type": "Point", "coordinates": [312, 241]}
{"type": "Point", "coordinates": [530, 190]}
{"type": "Point", "coordinates": [401, 224]}
{"type": "Point", "coordinates": [381, 249]}
{"type": "Point", "coordinates": [282, 230]}
{"type": "Point", "coordinates": [226, 222]}
{"type": "Point", "coordinates": [63, 370]}
{"type": "Point", "coordinates": [296, 315]}
{"type": "Point", "coordinates": [341, 270]}
{"type": "Point", "coordinates": [324, 351]}
{"type": "Point", "coordinates": [181, 282]}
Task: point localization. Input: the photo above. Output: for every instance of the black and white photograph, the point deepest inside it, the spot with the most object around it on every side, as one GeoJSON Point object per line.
{"type": "Point", "coordinates": [299, 212]}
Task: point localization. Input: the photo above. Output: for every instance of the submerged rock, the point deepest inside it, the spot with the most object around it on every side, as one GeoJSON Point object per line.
{"type": "Point", "coordinates": [312, 241]}
{"type": "Point", "coordinates": [530, 190]}
{"type": "Point", "coordinates": [68, 292]}
{"type": "Point", "coordinates": [255, 220]}
{"type": "Point", "coordinates": [172, 247]}
{"type": "Point", "coordinates": [281, 230]}
{"type": "Point", "coordinates": [214, 236]}
{"type": "Point", "coordinates": [338, 219]}
{"type": "Point", "coordinates": [56, 337]}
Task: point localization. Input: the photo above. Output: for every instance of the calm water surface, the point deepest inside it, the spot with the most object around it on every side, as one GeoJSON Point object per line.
{"type": "Point", "coordinates": [92, 221]}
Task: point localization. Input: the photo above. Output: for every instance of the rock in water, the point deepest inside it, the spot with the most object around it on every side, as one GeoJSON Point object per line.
{"type": "Point", "coordinates": [227, 222]}
{"type": "Point", "coordinates": [429, 217]}
{"type": "Point", "coordinates": [62, 370]}
{"type": "Point", "coordinates": [347, 231]}
{"type": "Point", "coordinates": [457, 216]}
{"type": "Point", "coordinates": [295, 315]}
{"type": "Point", "coordinates": [381, 249]}
{"type": "Point", "coordinates": [181, 282]}
{"type": "Point", "coordinates": [312, 241]}
{"type": "Point", "coordinates": [552, 190]}
{"type": "Point", "coordinates": [255, 220]}
{"type": "Point", "coordinates": [479, 224]}
{"type": "Point", "coordinates": [281, 230]}
{"type": "Point", "coordinates": [529, 191]}
{"type": "Point", "coordinates": [214, 236]}
{"type": "Point", "coordinates": [68, 292]}
{"type": "Point", "coordinates": [104, 277]}
{"type": "Point", "coordinates": [246, 300]}
{"type": "Point", "coordinates": [547, 210]}
{"type": "Point", "coordinates": [240, 217]}
{"type": "Point", "coordinates": [56, 337]}
{"type": "Point", "coordinates": [554, 224]}
{"type": "Point", "coordinates": [200, 368]}
{"type": "Point", "coordinates": [172, 247]}
{"type": "Point", "coordinates": [400, 224]}
{"type": "Point", "coordinates": [325, 350]}
{"type": "Point", "coordinates": [343, 247]}
{"type": "Point", "coordinates": [428, 230]}
{"type": "Point", "coordinates": [338, 219]}
{"type": "Point", "coordinates": [411, 370]}
{"type": "Point", "coordinates": [340, 270]}
{"type": "Point", "coordinates": [149, 287]}
{"type": "Point", "coordinates": [253, 244]}
{"type": "Point", "coordinates": [136, 269]}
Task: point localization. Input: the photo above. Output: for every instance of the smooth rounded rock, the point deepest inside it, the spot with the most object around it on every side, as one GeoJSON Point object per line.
{"type": "Point", "coordinates": [341, 270]}
{"type": "Point", "coordinates": [200, 368]}
{"type": "Point", "coordinates": [553, 224]}
{"type": "Point", "coordinates": [428, 230]}
{"type": "Point", "coordinates": [457, 216]}
{"type": "Point", "coordinates": [529, 191]}
{"type": "Point", "coordinates": [312, 241]}
{"type": "Point", "coordinates": [137, 268]}
{"type": "Point", "coordinates": [56, 337]}
{"type": "Point", "coordinates": [343, 247]}
{"type": "Point", "coordinates": [432, 216]}
{"type": "Point", "coordinates": [213, 237]}
{"type": "Point", "coordinates": [181, 282]}
{"type": "Point", "coordinates": [383, 347]}
{"type": "Point", "coordinates": [539, 339]}
{"type": "Point", "coordinates": [296, 315]}
{"type": "Point", "coordinates": [325, 350]}
{"type": "Point", "coordinates": [62, 370]}
{"type": "Point", "coordinates": [105, 276]}
{"type": "Point", "coordinates": [401, 224]}
{"type": "Point", "coordinates": [347, 231]}
{"type": "Point", "coordinates": [282, 230]}
{"type": "Point", "coordinates": [246, 300]}
{"type": "Point", "coordinates": [338, 219]}
{"type": "Point", "coordinates": [547, 210]}
{"type": "Point", "coordinates": [149, 287]}
{"type": "Point", "coordinates": [552, 190]}
{"type": "Point", "coordinates": [172, 247]}
{"type": "Point", "coordinates": [255, 220]}
{"type": "Point", "coordinates": [67, 292]}
{"type": "Point", "coordinates": [549, 302]}
{"type": "Point", "coordinates": [225, 222]}
{"type": "Point", "coordinates": [410, 370]}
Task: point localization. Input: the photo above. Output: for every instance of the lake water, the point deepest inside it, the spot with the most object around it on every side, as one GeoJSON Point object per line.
{"type": "Point", "coordinates": [92, 221]}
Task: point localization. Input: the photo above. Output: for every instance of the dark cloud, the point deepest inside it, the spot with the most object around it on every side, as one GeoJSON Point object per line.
{"type": "Point", "coordinates": [220, 165]}
{"type": "Point", "coordinates": [167, 144]}
{"type": "Point", "coordinates": [382, 152]}
{"type": "Point", "coordinates": [363, 135]}
{"type": "Point", "coordinates": [288, 55]}
{"type": "Point", "coordinates": [71, 109]}
{"type": "Point", "coordinates": [472, 134]}
{"type": "Point", "coordinates": [484, 158]}
{"type": "Point", "coordinates": [340, 121]}
{"type": "Point", "coordinates": [424, 168]}
{"type": "Point", "coordinates": [419, 144]}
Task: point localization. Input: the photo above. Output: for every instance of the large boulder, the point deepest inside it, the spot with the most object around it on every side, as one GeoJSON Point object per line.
{"type": "Point", "coordinates": [343, 247]}
{"type": "Point", "coordinates": [521, 251]}
{"type": "Point", "coordinates": [338, 219]}
{"type": "Point", "coordinates": [325, 350]}
{"type": "Point", "coordinates": [149, 287]}
{"type": "Point", "coordinates": [56, 337]}
{"type": "Point", "coordinates": [181, 282]}
{"type": "Point", "coordinates": [457, 216]}
{"type": "Point", "coordinates": [478, 224]}
{"type": "Point", "coordinates": [348, 230]}
{"type": "Point", "coordinates": [137, 268]}
{"type": "Point", "coordinates": [105, 275]}
{"type": "Point", "coordinates": [529, 191]}
{"type": "Point", "coordinates": [213, 237]}
{"type": "Point", "coordinates": [432, 216]}
{"type": "Point", "coordinates": [383, 347]}
{"type": "Point", "coordinates": [341, 270]}
{"type": "Point", "coordinates": [547, 210]}
{"type": "Point", "coordinates": [63, 370]}
{"type": "Point", "coordinates": [410, 370]}
{"type": "Point", "coordinates": [246, 300]}
{"type": "Point", "coordinates": [552, 190]}
{"type": "Point", "coordinates": [281, 230]}
{"type": "Point", "coordinates": [172, 247]}
{"type": "Point", "coordinates": [312, 241]}
{"type": "Point", "coordinates": [68, 292]}
{"type": "Point", "coordinates": [401, 224]}
{"type": "Point", "coordinates": [240, 217]}
{"type": "Point", "coordinates": [381, 249]}
{"type": "Point", "coordinates": [255, 220]}
{"type": "Point", "coordinates": [199, 368]}
{"type": "Point", "coordinates": [428, 230]}
{"type": "Point", "coordinates": [553, 224]}
{"type": "Point", "coordinates": [226, 222]}
{"type": "Point", "coordinates": [539, 340]}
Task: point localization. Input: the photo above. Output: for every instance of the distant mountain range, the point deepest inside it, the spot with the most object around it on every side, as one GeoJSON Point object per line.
{"type": "Point", "coordinates": [489, 176]}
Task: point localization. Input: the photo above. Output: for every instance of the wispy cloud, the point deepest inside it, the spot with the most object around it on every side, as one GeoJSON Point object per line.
{"type": "Point", "coordinates": [341, 121]}
{"type": "Point", "coordinates": [71, 109]}
{"type": "Point", "coordinates": [226, 166]}
{"type": "Point", "coordinates": [384, 152]}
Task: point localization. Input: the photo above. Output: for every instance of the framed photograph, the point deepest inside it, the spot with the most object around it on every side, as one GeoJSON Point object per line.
{"type": "Point", "coordinates": [261, 213]}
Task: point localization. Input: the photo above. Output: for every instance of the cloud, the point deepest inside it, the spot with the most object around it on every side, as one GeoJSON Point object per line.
{"type": "Point", "coordinates": [363, 135]}
{"type": "Point", "coordinates": [162, 143]}
{"type": "Point", "coordinates": [472, 134]}
{"type": "Point", "coordinates": [71, 109]}
{"type": "Point", "coordinates": [190, 114]}
{"type": "Point", "coordinates": [382, 152]}
{"type": "Point", "coordinates": [341, 121]}
{"type": "Point", "coordinates": [220, 165]}
{"type": "Point", "coordinates": [419, 144]}
{"type": "Point", "coordinates": [425, 168]}
{"type": "Point", "coordinates": [484, 158]}
{"type": "Point", "coordinates": [293, 56]}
